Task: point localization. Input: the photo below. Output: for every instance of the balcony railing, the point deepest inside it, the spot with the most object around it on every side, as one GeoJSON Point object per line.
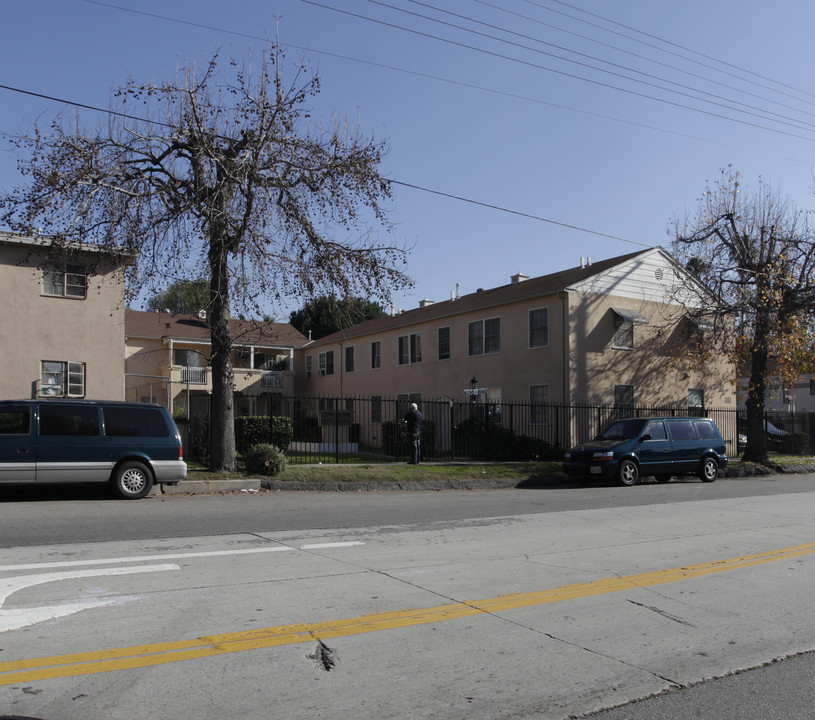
{"type": "Point", "coordinates": [194, 375]}
{"type": "Point", "coordinates": [272, 379]}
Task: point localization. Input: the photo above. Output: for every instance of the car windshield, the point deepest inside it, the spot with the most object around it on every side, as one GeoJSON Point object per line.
{"type": "Point", "coordinates": [623, 430]}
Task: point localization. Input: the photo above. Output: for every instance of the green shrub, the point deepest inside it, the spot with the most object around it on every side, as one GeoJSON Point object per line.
{"type": "Point", "coordinates": [264, 459]}
{"type": "Point", "coordinates": [253, 430]}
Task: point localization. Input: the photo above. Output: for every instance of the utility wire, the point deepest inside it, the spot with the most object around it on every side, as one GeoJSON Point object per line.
{"type": "Point", "coordinates": [557, 72]}
{"type": "Point", "coordinates": [673, 44]}
{"type": "Point", "coordinates": [617, 48]}
{"type": "Point", "coordinates": [762, 114]}
{"type": "Point", "coordinates": [519, 213]}
{"type": "Point", "coordinates": [428, 76]}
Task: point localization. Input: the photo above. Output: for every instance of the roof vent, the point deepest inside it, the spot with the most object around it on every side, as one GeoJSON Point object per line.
{"type": "Point", "coordinates": [519, 277]}
{"type": "Point", "coordinates": [426, 302]}
{"type": "Point", "coordinates": [202, 314]}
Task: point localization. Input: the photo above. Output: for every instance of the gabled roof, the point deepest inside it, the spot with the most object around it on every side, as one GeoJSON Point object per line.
{"type": "Point", "coordinates": [160, 325]}
{"type": "Point", "coordinates": [482, 299]}
{"type": "Point", "coordinates": [49, 243]}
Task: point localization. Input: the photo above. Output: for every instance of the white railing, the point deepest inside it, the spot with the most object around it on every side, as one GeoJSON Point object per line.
{"type": "Point", "coordinates": [194, 375]}
{"type": "Point", "coordinates": [272, 379]}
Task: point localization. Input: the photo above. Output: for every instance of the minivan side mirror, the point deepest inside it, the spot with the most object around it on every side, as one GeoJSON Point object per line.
{"type": "Point", "coordinates": [645, 437]}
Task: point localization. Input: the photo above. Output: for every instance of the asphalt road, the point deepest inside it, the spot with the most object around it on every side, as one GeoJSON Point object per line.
{"type": "Point", "coordinates": [550, 602]}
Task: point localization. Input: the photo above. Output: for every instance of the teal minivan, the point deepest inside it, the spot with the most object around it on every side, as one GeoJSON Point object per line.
{"type": "Point", "coordinates": [131, 446]}
{"type": "Point", "coordinates": [658, 446]}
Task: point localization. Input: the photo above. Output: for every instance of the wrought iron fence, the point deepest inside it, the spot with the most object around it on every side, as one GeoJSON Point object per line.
{"type": "Point", "coordinates": [370, 429]}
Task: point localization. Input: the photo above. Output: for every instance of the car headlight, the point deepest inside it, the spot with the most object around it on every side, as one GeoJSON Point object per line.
{"type": "Point", "coordinates": [567, 456]}
{"type": "Point", "coordinates": [603, 456]}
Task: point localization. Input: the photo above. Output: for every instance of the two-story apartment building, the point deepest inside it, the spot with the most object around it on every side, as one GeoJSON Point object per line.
{"type": "Point", "coordinates": [168, 362]}
{"type": "Point", "coordinates": [609, 333]}
{"type": "Point", "coordinates": [62, 325]}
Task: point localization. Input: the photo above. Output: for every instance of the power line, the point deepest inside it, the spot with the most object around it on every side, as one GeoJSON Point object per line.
{"type": "Point", "coordinates": [557, 72]}
{"type": "Point", "coordinates": [460, 198]}
{"type": "Point", "coordinates": [430, 76]}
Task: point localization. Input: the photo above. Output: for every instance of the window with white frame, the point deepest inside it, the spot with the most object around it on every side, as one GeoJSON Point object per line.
{"type": "Point", "coordinates": [325, 362]}
{"type": "Point", "coordinates": [409, 349]}
{"type": "Point", "coordinates": [376, 355]}
{"type": "Point", "coordinates": [538, 404]}
{"type": "Point", "coordinates": [484, 337]}
{"type": "Point", "coordinates": [444, 343]}
{"type": "Point", "coordinates": [539, 327]}
{"type": "Point", "coordinates": [62, 379]}
{"type": "Point", "coordinates": [68, 282]}
{"type": "Point", "coordinates": [349, 359]}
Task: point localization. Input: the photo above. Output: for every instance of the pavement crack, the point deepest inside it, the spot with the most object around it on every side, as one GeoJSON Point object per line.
{"type": "Point", "coordinates": [324, 656]}
{"type": "Point", "coordinates": [662, 612]}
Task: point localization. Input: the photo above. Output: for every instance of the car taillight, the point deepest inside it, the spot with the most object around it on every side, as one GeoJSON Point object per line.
{"type": "Point", "coordinates": [180, 452]}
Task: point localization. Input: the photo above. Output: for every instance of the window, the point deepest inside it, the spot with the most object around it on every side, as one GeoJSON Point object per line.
{"type": "Point", "coordinates": [308, 366]}
{"type": "Point", "coordinates": [696, 401]}
{"type": "Point", "coordinates": [624, 321]}
{"type": "Point", "coordinates": [349, 359]}
{"type": "Point", "coordinates": [656, 430]}
{"type": "Point", "coordinates": [707, 430]}
{"type": "Point", "coordinates": [410, 349]}
{"type": "Point", "coordinates": [682, 429]}
{"type": "Point", "coordinates": [538, 400]}
{"type": "Point", "coordinates": [484, 337]}
{"type": "Point", "coordinates": [186, 358]}
{"type": "Point", "coordinates": [15, 421]}
{"type": "Point", "coordinates": [69, 419]}
{"type": "Point", "coordinates": [624, 400]}
{"type": "Point", "coordinates": [134, 422]}
{"type": "Point", "coordinates": [539, 327]}
{"type": "Point", "coordinates": [444, 343]}
{"type": "Point", "coordinates": [62, 379]}
{"type": "Point", "coordinates": [376, 409]}
{"type": "Point", "coordinates": [376, 355]}
{"type": "Point", "coordinates": [70, 282]}
{"type": "Point", "coordinates": [325, 360]}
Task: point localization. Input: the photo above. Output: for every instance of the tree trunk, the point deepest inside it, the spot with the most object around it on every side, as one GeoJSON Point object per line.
{"type": "Point", "coordinates": [222, 409]}
{"type": "Point", "coordinates": [756, 449]}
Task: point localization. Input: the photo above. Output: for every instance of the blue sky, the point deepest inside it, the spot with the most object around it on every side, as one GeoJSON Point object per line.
{"type": "Point", "coordinates": [503, 103]}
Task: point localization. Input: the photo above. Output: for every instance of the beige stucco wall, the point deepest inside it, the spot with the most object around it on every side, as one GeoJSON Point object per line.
{"type": "Point", "coordinates": [36, 327]}
{"type": "Point", "coordinates": [507, 374]}
{"type": "Point", "coordinates": [660, 367]}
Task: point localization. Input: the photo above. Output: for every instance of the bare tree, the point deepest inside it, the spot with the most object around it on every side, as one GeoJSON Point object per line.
{"type": "Point", "coordinates": [755, 252]}
{"type": "Point", "coordinates": [221, 171]}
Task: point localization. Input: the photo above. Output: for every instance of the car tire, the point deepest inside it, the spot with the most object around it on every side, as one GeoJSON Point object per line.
{"type": "Point", "coordinates": [132, 480]}
{"type": "Point", "coordinates": [628, 473]}
{"type": "Point", "coordinates": [709, 470]}
{"type": "Point", "coordinates": [663, 478]}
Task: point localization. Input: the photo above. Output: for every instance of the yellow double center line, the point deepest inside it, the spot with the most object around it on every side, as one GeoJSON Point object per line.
{"type": "Point", "coordinates": [58, 666]}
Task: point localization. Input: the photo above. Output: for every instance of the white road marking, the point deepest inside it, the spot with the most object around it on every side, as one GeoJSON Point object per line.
{"type": "Point", "coordinates": [15, 618]}
{"type": "Point", "coordinates": [141, 558]}
{"type": "Point", "coordinates": [320, 546]}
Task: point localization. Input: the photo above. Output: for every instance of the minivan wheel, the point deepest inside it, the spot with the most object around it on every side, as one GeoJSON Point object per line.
{"type": "Point", "coordinates": [709, 470]}
{"type": "Point", "coordinates": [628, 473]}
{"type": "Point", "coordinates": [132, 480]}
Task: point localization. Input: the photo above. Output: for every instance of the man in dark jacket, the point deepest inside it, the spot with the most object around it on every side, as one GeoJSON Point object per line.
{"type": "Point", "coordinates": [413, 421]}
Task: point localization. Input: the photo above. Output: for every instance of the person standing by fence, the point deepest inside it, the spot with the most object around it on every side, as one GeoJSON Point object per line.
{"type": "Point", "coordinates": [413, 420]}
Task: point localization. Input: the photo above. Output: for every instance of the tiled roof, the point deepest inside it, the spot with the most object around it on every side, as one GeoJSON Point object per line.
{"type": "Point", "coordinates": [189, 327]}
{"type": "Point", "coordinates": [503, 295]}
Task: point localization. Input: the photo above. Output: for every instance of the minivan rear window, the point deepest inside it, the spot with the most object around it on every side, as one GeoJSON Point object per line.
{"type": "Point", "coordinates": [707, 430]}
{"type": "Point", "coordinates": [68, 420]}
{"type": "Point", "coordinates": [134, 422]}
{"type": "Point", "coordinates": [682, 429]}
{"type": "Point", "coordinates": [15, 421]}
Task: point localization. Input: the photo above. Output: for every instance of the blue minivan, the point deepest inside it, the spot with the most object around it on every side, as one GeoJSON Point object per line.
{"type": "Point", "coordinates": [658, 446]}
{"type": "Point", "coordinates": [132, 446]}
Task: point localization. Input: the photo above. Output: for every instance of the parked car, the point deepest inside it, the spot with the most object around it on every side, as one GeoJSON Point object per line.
{"type": "Point", "coordinates": [129, 445]}
{"type": "Point", "coordinates": [775, 436]}
{"type": "Point", "coordinates": [658, 446]}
